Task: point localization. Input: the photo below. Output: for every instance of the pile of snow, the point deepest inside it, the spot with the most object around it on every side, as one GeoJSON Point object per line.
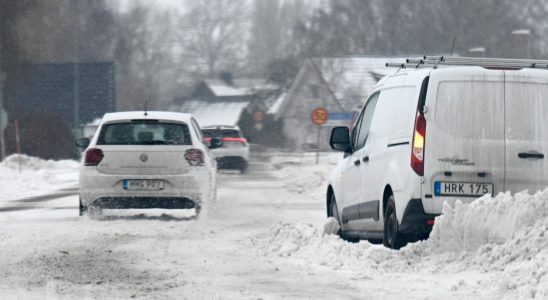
{"type": "Point", "coordinates": [503, 238]}
{"type": "Point", "coordinates": [488, 221]}
{"type": "Point", "coordinates": [302, 175]}
{"type": "Point", "coordinates": [23, 176]}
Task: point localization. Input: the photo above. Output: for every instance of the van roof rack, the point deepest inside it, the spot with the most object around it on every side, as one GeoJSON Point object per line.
{"type": "Point", "coordinates": [491, 63]}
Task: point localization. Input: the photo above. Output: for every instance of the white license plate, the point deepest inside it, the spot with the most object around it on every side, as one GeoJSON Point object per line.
{"type": "Point", "coordinates": [462, 189]}
{"type": "Point", "coordinates": [143, 184]}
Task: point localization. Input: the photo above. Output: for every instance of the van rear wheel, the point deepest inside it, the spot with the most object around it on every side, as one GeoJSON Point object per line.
{"type": "Point", "coordinates": [392, 238]}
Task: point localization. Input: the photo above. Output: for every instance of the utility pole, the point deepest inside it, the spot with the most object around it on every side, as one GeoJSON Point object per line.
{"type": "Point", "coordinates": [76, 79]}
{"type": "Point", "coordinates": [3, 114]}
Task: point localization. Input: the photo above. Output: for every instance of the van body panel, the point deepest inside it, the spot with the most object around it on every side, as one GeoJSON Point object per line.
{"type": "Point", "coordinates": [373, 171]}
{"type": "Point", "coordinates": [526, 105]}
{"type": "Point", "coordinates": [464, 135]}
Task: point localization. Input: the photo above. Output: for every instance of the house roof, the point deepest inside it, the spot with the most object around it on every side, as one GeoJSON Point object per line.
{"type": "Point", "coordinates": [353, 78]}
{"type": "Point", "coordinates": [222, 89]}
{"type": "Point", "coordinates": [275, 103]}
{"type": "Point", "coordinates": [239, 87]}
{"type": "Point", "coordinates": [218, 113]}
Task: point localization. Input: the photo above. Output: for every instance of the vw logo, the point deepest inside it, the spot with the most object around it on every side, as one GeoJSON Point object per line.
{"type": "Point", "coordinates": [143, 157]}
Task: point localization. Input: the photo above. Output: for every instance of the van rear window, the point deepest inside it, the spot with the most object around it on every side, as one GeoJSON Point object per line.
{"type": "Point", "coordinates": [471, 109]}
{"type": "Point", "coordinates": [144, 133]}
{"type": "Point", "coordinates": [526, 111]}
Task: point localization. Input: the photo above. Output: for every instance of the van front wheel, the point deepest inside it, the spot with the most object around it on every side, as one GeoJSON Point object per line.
{"type": "Point", "coordinates": [334, 213]}
{"type": "Point", "coordinates": [392, 238]}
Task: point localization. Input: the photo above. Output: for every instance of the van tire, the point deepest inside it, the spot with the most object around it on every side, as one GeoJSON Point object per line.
{"type": "Point", "coordinates": [334, 213]}
{"type": "Point", "coordinates": [392, 238]}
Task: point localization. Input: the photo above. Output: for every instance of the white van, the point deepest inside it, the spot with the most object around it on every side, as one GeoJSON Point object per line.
{"type": "Point", "coordinates": [435, 135]}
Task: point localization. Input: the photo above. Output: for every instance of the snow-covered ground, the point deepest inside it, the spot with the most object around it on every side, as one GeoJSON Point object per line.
{"type": "Point", "coordinates": [267, 237]}
{"type": "Point", "coordinates": [24, 176]}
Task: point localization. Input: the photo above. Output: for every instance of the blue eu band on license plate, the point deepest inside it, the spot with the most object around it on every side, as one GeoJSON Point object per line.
{"type": "Point", "coordinates": [462, 189]}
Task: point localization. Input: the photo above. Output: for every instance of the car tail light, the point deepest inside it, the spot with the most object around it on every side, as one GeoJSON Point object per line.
{"type": "Point", "coordinates": [194, 157]}
{"type": "Point", "coordinates": [419, 137]}
{"type": "Point", "coordinates": [231, 139]}
{"type": "Point", "coordinates": [93, 157]}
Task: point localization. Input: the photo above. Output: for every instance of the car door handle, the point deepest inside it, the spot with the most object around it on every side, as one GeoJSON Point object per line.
{"type": "Point", "coordinates": [365, 159]}
{"type": "Point", "coordinates": [531, 155]}
{"type": "Point", "coordinates": [357, 163]}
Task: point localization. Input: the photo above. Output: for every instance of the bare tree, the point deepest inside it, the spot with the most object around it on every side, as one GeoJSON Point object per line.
{"type": "Point", "coordinates": [144, 55]}
{"type": "Point", "coordinates": [271, 32]}
{"type": "Point", "coordinates": [212, 34]}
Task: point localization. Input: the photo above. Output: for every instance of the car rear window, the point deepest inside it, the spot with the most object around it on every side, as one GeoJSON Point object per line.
{"type": "Point", "coordinates": [144, 133]}
{"type": "Point", "coordinates": [221, 133]}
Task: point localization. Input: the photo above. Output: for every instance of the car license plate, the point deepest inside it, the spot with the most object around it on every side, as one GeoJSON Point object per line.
{"type": "Point", "coordinates": [143, 185]}
{"type": "Point", "coordinates": [462, 189]}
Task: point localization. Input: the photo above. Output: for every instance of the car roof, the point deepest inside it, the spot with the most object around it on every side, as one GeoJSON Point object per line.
{"type": "Point", "coordinates": [220, 127]}
{"type": "Point", "coordinates": [153, 115]}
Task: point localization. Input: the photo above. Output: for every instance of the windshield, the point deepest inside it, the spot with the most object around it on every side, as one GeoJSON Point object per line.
{"type": "Point", "coordinates": [136, 133]}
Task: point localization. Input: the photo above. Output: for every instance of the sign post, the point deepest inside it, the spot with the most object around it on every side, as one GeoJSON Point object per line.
{"type": "Point", "coordinates": [319, 116]}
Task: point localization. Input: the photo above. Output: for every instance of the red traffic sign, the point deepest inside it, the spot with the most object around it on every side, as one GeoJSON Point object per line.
{"type": "Point", "coordinates": [320, 116]}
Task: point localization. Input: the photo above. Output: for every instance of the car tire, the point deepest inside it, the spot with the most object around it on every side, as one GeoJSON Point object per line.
{"type": "Point", "coordinates": [94, 211]}
{"type": "Point", "coordinates": [392, 238]}
{"type": "Point", "coordinates": [83, 209]}
{"type": "Point", "coordinates": [243, 167]}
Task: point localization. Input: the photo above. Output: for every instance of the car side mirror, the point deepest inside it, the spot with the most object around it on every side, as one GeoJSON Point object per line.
{"type": "Point", "coordinates": [82, 143]}
{"type": "Point", "coordinates": [215, 143]}
{"type": "Point", "coordinates": [340, 139]}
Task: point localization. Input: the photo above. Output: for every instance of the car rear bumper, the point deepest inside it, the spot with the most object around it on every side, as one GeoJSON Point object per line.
{"type": "Point", "coordinates": [231, 162]}
{"type": "Point", "coordinates": [144, 202]}
{"type": "Point", "coordinates": [97, 189]}
{"type": "Point", "coordinates": [416, 224]}
{"type": "Point", "coordinates": [231, 152]}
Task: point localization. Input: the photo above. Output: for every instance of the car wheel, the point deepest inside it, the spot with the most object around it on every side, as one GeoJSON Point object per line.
{"type": "Point", "coordinates": [83, 209]}
{"type": "Point", "coordinates": [392, 238]}
{"type": "Point", "coordinates": [94, 211]}
{"type": "Point", "coordinates": [243, 168]}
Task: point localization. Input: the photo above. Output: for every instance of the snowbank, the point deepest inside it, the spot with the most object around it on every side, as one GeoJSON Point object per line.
{"type": "Point", "coordinates": [36, 176]}
{"type": "Point", "coordinates": [302, 175]}
{"type": "Point", "coordinates": [504, 237]}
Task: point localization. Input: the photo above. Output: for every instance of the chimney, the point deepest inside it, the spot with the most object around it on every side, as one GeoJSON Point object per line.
{"type": "Point", "coordinates": [227, 78]}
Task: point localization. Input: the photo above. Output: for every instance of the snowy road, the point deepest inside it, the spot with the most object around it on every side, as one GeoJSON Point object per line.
{"type": "Point", "coordinates": [48, 250]}
{"type": "Point", "coordinates": [262, 240]}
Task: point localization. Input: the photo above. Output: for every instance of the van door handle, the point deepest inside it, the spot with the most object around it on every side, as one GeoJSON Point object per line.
{"type": "Point", "coordinates": [357, 163]}
{"type": "Point", "coordinates": [531, 155]}
{"type": "Point", "coordinates": [366, 159]}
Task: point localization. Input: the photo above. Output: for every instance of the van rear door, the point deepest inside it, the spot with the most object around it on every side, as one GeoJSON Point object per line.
{"type": "Point", "coordinates": [526, 104]}
{"type": "Point", "coordinates": [464, 143]}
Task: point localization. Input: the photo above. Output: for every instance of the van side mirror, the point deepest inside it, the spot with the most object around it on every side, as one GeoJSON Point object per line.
{"type": "Point", "coordinates": [340, 139]}
{"type": "Point", "coordinates": [82, 143]}
{"type": "Point", "coordinates": [215, 143]}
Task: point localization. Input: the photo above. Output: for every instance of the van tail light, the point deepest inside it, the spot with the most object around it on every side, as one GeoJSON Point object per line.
{"type": "Point", "coordinates": [417, 152]}
{"type": "Point", "coordinates": [194, 157]}
{"type": "Point", "coordinates": [93, 157]}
